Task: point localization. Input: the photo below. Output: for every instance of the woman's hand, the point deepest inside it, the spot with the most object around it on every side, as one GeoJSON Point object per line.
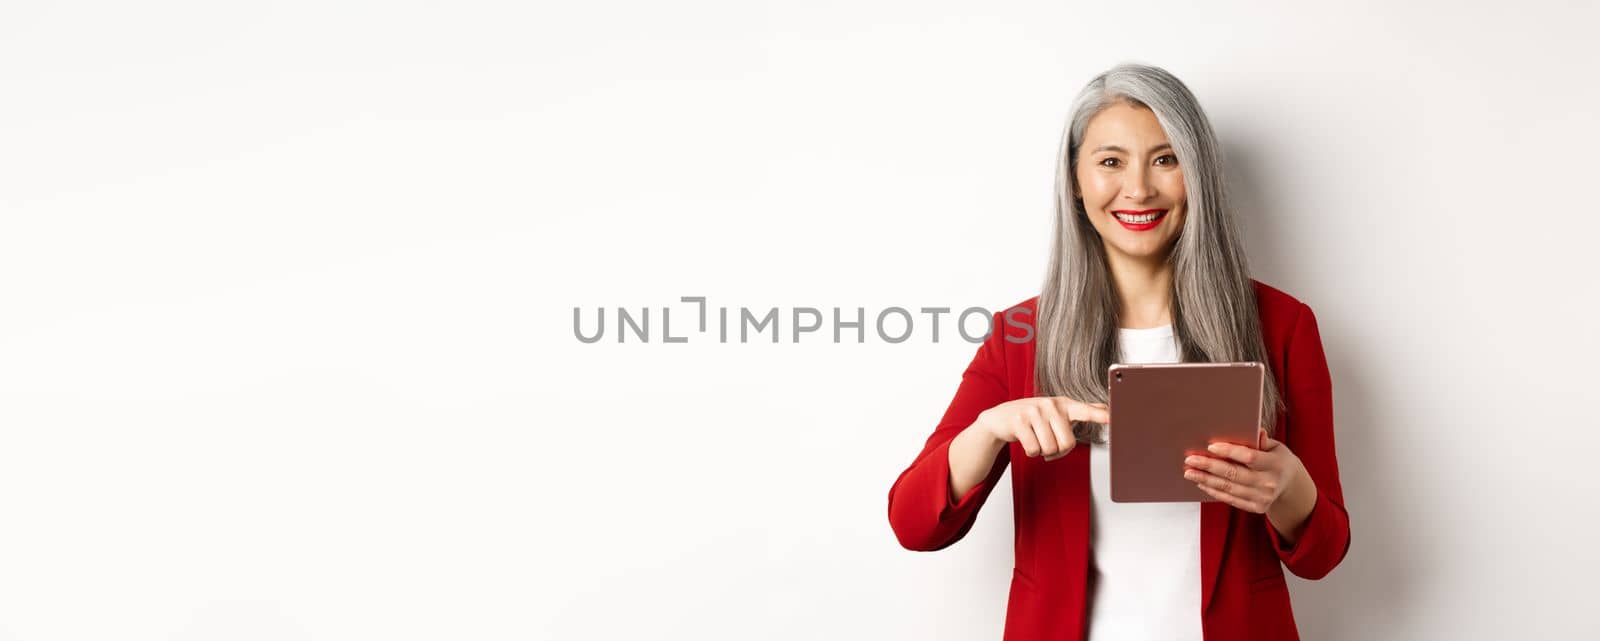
{"type": "Point", "coordinates": [1270, 480]}
{"type": "Point", "coordinates": [1043, 423]}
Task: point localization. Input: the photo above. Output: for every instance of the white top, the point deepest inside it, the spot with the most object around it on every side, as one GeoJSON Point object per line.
{"type": "Point", "coordinates": [1145, 557]}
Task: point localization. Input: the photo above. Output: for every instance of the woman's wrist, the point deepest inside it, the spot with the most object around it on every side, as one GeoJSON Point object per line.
{"type": "Point", "coordinates": [1293, 508]}
{"type": "Point", "coordinates": [978, 439]}
{"type": "Point", "coordinates": [972, 453]}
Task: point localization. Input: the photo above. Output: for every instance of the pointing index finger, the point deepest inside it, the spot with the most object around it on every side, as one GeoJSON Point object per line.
{"type": "Point", "coordinates": [1085, 412]}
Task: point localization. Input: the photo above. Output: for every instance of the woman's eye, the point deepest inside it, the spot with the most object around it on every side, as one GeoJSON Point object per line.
{"type": "Point", "coordinates": [1113, 162]}
{"type": "Point", "coordinates": [1169, 158]}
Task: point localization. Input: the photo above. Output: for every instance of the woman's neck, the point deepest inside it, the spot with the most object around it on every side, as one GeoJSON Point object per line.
{"type": "Point", "coordinates": [1145, 289]}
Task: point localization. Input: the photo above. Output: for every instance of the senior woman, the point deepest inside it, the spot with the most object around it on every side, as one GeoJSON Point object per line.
{"type": "Point", "coordinates": [1147, 267]}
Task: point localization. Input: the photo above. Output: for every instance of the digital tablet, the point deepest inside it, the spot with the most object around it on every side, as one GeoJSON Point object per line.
{"type": "Point", "coordinates": [1162, 412]}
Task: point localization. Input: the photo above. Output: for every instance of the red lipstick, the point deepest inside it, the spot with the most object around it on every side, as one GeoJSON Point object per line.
{"type": "Point", "coordinates": [1161, 214]}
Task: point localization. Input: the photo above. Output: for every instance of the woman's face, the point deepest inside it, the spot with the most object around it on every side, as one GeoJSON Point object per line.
{"type": "Point", "coordinates": [1130, 183]}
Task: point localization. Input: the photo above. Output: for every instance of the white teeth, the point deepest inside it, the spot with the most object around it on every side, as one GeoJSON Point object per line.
{"type": "Point", "coordinates": [1142, 218]}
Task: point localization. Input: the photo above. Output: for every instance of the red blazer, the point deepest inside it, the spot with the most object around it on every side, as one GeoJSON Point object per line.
{"type": "Point", "coordinates": [1243, 594]}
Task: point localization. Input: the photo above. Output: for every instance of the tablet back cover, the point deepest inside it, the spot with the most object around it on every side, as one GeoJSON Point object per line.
{"type": "Point", "coordinates": [1162, 412]}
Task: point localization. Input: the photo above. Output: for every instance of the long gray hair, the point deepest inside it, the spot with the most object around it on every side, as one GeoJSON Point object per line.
{"type": "Point", "coordinates": [1213, 303]}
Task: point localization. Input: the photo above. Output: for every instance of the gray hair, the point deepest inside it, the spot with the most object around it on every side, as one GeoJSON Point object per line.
{"type": "Point", "coordinates": [1213, 304]}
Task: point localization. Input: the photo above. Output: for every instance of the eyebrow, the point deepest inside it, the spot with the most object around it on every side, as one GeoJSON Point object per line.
{"type": "Point", "coordinates": [1119, 149]}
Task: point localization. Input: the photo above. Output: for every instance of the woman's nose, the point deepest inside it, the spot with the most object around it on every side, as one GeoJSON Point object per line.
{"type": "Point", "coordinates": [1137, 185]}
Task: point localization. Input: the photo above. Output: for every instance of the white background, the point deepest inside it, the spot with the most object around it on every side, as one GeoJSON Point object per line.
{"type": "Point", "coordinates": [286, 294]}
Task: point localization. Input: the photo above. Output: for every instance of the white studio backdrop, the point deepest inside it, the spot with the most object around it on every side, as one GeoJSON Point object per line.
{"type": "Point", "coordinates": [286, 293]}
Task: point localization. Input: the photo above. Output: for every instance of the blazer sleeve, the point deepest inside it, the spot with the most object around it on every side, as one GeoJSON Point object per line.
{"type": "Point", "coordinates": [922, 511]}
{"type": "Point", "coordinates": [1325, 536]}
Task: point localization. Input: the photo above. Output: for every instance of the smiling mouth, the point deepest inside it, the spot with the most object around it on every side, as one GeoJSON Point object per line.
{"type": "Point", "coordinates": [1145, 217]}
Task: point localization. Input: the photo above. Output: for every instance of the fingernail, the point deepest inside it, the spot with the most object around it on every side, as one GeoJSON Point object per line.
{"type": "Point", "coordinates": [1215, 448]}
{"type": "Point", "coordinates": [1191, 475]}
{"type": "Point", "coordinates": [1193, 460]}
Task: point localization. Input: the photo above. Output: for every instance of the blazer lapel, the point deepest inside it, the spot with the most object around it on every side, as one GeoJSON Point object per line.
{"type": "Point", "coordinates": [1215, 527]}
